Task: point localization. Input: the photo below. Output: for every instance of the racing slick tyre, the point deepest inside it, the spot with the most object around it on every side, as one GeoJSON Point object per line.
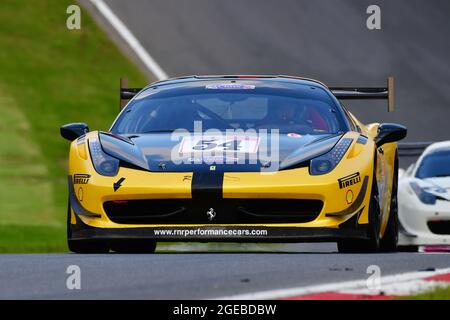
{"type": "Point", "coordinates": [84, 246]}
{"type": "Point", "coordinates": [372, 244]}
{"type": "Point", "coordinates": [133, 246]}
{"type": "Point", "coordinates": [411, 248]}
{"type": "Point", "coordinates": [390, 238]}
{"type": "Point", "coordinates": [87, 246]}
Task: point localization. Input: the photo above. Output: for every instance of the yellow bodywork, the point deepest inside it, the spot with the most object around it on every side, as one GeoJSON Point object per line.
{"type": "Point", "coordinates": [289, 184]}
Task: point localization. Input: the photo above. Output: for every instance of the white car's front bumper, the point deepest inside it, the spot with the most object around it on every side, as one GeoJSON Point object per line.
{"type": "Point", "coordinates": [418, 221]}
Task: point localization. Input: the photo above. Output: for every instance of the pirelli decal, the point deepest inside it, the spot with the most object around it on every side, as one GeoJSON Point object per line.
{"type": "Point", "coordinates": [81, 178]}
{"type": "Point", "coordinates": [349, 180]}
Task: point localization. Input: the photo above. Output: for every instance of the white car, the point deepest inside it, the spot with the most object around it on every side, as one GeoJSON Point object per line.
{"type": "Point", "coordinates": [424, 199]}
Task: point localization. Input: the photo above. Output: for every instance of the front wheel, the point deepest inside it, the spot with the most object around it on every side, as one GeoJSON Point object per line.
{"type": "Point", "coordinates": [390, 238]}
{"type": "Point", "coordinates": [87, 246]}
{"type": "Point", "coordinates": [372, 244]}
{"type": "Point", "coordinates": [411, 248]}
{"type": "Point", "coordinates": [133, 246]}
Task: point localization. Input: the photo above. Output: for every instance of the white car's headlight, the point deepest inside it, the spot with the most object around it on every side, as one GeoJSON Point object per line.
{"type": "Point", "coordinates": [422, 194]}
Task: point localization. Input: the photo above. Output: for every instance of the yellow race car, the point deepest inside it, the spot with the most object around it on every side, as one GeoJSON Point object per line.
{"type": "Point", "coordinates": [237, 159]}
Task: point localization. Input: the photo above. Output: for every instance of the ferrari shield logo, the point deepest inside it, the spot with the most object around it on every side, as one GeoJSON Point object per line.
{"type": "Point", "coordinates": [211, 214]}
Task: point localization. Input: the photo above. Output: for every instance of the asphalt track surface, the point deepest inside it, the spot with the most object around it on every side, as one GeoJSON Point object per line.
{"type": "Point", "coordinates": [194, 275]}
{"type": "Point", "coordinates": [323, 39]}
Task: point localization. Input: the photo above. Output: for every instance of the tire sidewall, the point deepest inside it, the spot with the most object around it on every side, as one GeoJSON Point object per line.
{"type": "Point", "coordinates": [374, 217]}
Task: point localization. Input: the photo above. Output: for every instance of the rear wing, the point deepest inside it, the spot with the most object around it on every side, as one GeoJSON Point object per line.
{"type": "Point", "coordinates": [385, 93]}
{"type": "Point", "coordinates": [341, 93]}
{"type": "Point", "coordinates": [412, 149]}
{"type": "Point", "coordinates": [126, 93]}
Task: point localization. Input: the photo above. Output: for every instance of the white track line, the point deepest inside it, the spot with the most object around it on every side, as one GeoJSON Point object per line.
{"type": "Point", "coordinates": [402, 284]}
{"type": "Point", "coordinates": [130, 39]}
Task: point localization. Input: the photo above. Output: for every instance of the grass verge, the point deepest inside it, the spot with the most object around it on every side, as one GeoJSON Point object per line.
{"type": "Point", "coordinates": [438, 294]}
{"type": "Point", "coordinates": [50, 76]}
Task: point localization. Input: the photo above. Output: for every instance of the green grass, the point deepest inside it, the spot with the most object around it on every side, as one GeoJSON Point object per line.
{"type": "Point", "coordinates": [32, 239]}
{"type": "Point", "coordinates": [49, 76]}
{"type": "Point", "coordinates": [438, 294]}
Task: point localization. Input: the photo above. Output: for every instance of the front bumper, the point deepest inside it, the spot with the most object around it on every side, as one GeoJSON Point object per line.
{"type": "Point", "coordinates": [416, 221]}
{"type": "Point", "coordinates": [337, 219]}
{"type": "Point", "coordinates": [348, 230]}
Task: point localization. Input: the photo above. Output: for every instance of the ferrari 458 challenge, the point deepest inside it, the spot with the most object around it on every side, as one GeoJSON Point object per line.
{"type": "Point", "coordinates": [424, 199]}
{"type": "Point", "coordinates": [237, 159]}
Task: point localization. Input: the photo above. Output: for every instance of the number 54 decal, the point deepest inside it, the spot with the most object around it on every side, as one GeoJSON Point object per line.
{"type": "Point", "coordinates": [219, 144]}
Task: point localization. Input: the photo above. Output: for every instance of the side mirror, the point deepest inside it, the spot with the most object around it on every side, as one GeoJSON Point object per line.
{"type": "Point", "coordinates": [72, 131]}
{"type": "Point", "coordinates": [390, 132]}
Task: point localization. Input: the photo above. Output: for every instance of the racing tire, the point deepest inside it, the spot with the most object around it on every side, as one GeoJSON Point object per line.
{"type": "Point", "coordinates": [84, 246]}
{"type": "Point", "coordinates": [87, 246]}
{"type": "Point", "coordinates": [390, 238]}
{"type": "Point", "coordinates": [372, 244]}
{"type": "Point", "coordinates": [133, 246]}
{"type": "Point", "coordinates": [411, 248]}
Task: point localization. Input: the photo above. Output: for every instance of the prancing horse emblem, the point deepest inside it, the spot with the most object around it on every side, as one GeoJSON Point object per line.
{"type": "Point", "coordinates": [211, 214]}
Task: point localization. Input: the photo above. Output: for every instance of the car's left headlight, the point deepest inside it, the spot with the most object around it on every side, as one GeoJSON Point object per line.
{"type": "Point", "coordinates": [103, 163]}
{"type": "Point", "coordinates": [423, 195]}
{"type": "Point", "coordinates": [328, 161]}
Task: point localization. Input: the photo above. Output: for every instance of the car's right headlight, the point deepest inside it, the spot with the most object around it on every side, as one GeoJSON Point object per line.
{"type": "Point", "coordinates": [422, 194]}
{"type": "Point", "coordinates": [103, 163]}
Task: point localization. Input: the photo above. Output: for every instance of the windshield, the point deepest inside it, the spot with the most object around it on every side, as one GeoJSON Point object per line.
{"type": "Point", "coordinates": [305, 110]}
{"type": "Point", "coordinates": [436, 164]}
